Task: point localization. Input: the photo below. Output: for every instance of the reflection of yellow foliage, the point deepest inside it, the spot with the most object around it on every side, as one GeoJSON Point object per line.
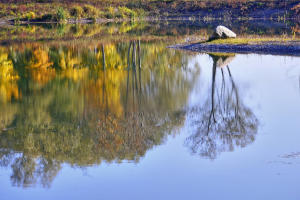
{"type": "Point", "coordinates": [83, 122]}
{"type": "Point", "coordinates": [7, 91]}
{"type": "Point", "coordinates": [6, 68]}
{"type": "Point", "coordinates": [104, 93]}
{"type": "Point", "coordinates": [125, 27]}
{"type": "Point", "coordinates": [8, 78]}
{"type": "Point", "coordinates": [112, 58]}
{"type": "Point", "coordinates": [30, 29]}
{"type": "Point", "coordinates": [91, 31]}
{"type": "Point", "coordinates": [40, 67]}
{"type": "Point", "coordinates": [112, 29]}
{"type": "Point", "coordinates": [40, 59]}
{"type": "Point", "coordinates": [66, 60]}
{"type": "Point", "coordinates": [43, 75]}
{"type": "Point", "coordinates": [7, 115]}
{"type": "Point", "coordinates": [296, 29]}
{"type": "Point", "coordinates": [79, 32]}
{"type": "Point", "coordinates": [70, 66]}
{"type": "Point", "coordinates": [74, 74]}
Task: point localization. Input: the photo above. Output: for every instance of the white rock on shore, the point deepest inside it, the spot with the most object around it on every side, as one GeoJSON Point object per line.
{"type": "Point", "coordinates": [223, 32]}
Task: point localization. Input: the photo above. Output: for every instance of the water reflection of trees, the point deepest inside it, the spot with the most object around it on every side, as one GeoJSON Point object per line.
{"type": "Point", "coordinates": [108, 103]}
{"type": "Point", "coordinates": [223, 121]}
{"type": "Point", "coordinates": [147, 30]}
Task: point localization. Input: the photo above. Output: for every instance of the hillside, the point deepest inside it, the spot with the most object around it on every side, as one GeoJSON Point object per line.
{"type": "Point", "coordinates": [95, 10]}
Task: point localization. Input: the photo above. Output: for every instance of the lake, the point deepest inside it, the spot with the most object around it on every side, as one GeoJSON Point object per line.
{"type": "Point", "coordinates": [109, 112]}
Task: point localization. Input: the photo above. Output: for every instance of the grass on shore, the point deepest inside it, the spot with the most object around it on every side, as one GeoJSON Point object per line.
{"type": "Point", "coordinates": [254, 40]}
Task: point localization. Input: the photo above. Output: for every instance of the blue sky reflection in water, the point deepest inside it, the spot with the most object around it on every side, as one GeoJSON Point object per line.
{"type": "Point", "coordinates": [192, 163]}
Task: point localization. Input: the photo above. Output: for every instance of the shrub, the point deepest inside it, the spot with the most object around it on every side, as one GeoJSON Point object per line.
{"type": "Point", "coordinates": [22, 8]}
{"type": "Point", "coordinates": [126, 12]}
{"type": "Point", "coordinates": [17, 19]}
{"type": "Point", "coordinates": [77, 12]}
{"type": "Point", "coordinates": [110, 13]}
{"type": "Point", "coordinates": [90, 11]}
{"type": "Point", "coordinates": [12, 13]}
{"type": "Point", "coordinates": [2, 13]}
{"type": "Point", "coordinates": [47, 17]}
{"type": "Point", "coordinates": [101, 14]}
{"type": "Point", "coordinates": [140, 12]}
{"type": "Point", "coordinates": [30, 15]}
{"type": "Point", "coordinates": [61, 15]}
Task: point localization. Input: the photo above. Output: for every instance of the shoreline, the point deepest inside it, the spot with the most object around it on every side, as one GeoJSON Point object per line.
{"type": "Point", "coordinates": [149, 18]}
{"type": "Point", "coordinates": [291, 48]}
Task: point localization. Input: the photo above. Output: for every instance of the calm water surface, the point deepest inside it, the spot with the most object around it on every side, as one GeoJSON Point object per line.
{"type": "Point", "coordinates": [135, 120]}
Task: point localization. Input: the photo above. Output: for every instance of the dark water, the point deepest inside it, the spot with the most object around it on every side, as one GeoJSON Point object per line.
{"type": "Point", "coordinates": [133, 119]}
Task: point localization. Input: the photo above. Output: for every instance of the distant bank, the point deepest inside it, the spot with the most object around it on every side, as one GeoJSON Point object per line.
{"type": "Point", "coordinates": [70, 11]}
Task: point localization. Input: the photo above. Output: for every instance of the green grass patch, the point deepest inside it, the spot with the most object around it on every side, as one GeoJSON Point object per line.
{"type": "Point", "coordinates": [252, 40]}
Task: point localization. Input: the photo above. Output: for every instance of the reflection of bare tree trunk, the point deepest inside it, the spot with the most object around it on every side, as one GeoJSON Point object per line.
{"type": "Point", "coordinates": [134, 65]}
{"type": "Point", "coordinates": [104, 92]}
{"type": "Point", "coordinates": [224, 122]}
{"type": "Point", "coordinates": [139, 60]}
{"type": "Point", "coordinates": [106, 96]}
{"type": "Point", "coordinates": [212, 112]}
{"type": "Point", "coordinates": [139, 53]}
{"type": "Point", "coordinates": [133, 68]}
{"type": "Point", "coordinates": [140, 79]}
{"type": "Point", "coordinates": [234, 88]}
{"type": "Point", "coordinates": [223, 89]}
{"type": "Point", "coordinates": [128, 56]}
{"type": "Point", "coordinates": [134, 54]}
{"type": "Point", "coordinates": [132, 83]}
{"type": "Point", "coordinates": [127, 84]}
{"type": "Point", "coordinates": [103, 56]}
{"type": "Point", "coordinates": [135, 82]}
